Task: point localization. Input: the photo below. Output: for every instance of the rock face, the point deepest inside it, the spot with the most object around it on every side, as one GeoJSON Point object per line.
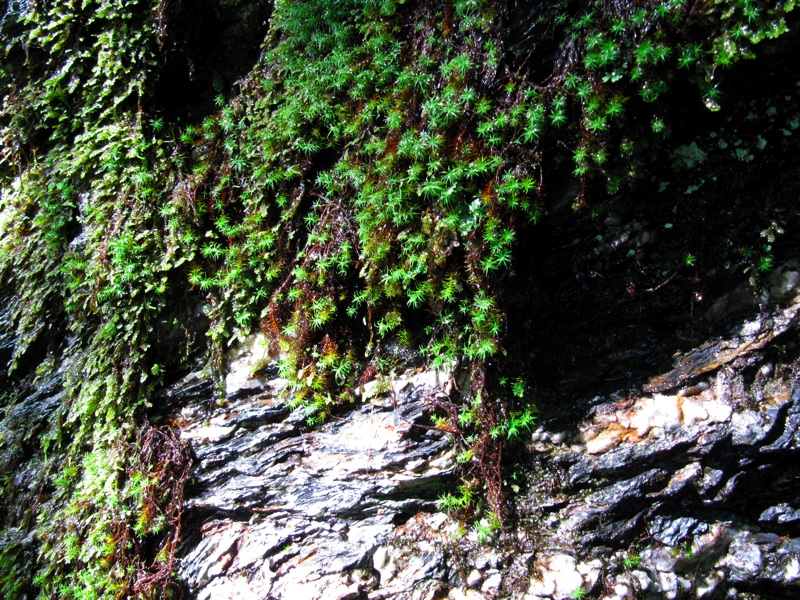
{"type": "Point", "coordinates": [281, 511]}
{"type": "Point", "coordinates": [686, 492]}
{"type": "Point", "coordinates": [687, 488]}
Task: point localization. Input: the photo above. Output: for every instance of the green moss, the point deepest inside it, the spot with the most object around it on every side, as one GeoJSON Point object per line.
{"type": "Point", "coordinates": [365, 187]}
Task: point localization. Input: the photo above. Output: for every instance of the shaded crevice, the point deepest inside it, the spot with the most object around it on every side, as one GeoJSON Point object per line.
{"type": "Point", "coordinates": [532, 40]}
{"type": "Point", "coordinates": [207, 46]}
{"type": "Point", "coordinates": [604, 297]}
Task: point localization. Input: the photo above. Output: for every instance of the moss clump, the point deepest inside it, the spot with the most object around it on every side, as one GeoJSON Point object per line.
{"type": "Point", "coordinates": [363, 190]}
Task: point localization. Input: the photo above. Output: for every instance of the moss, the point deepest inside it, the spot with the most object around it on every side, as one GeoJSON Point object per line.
{"type": "Point", "coordinates": [365, 186]}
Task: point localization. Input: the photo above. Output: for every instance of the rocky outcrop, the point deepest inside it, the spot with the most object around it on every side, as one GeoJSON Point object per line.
{"type": "Point", "coordinates": [281, 511]}
{"type": "Point", "coordinates": [685, 488]}
{"type": "Point", "coordinates": [688, 491]}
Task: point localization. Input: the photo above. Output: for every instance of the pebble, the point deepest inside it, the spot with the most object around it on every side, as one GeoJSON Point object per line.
{"type": "Point", "coordinates": [668, 585]}
{"type": "Point", "coordinates": [744, 559]}
{"type": "Point", "coordinates": [706, 586]}
{"type": "Point", "coordinates": [621, 591]}
{"type": "Point", "coordinates": [590, 572]}
{"type": "Point", "coordinates": [492, 583]}
{"type": "Point", "coordinates": [641, 581]}
{"type": "Point", "coordinates": [474, 578]}
{"type": "Point", "coordinates": [559, 577]}
{"type": "Point", "coordinates": [486, 560]}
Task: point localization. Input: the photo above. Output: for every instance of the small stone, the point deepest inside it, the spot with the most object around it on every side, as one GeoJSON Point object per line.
{"type": "Point", "coordinates": [381, 558]}
{"type": "Point", "coordinates": [669, 585]}
{"type": "Point", "coordinates": [434, 379]}
{"type": "Point", "coordinates": [660, 558]}
{"type": "Point", "coordinates": [709, 480]}
{"type": "Point", "coordinates": [436, 521]}
{"type": "Point", "coordinates": [444, 462]}
{"type": "Point", "coordinates": [707, 585]}
{"type": "Point", "coordinates": [749, 428]}
{"type": "Point", "coordinates": [751, 328]}
{"type": "Point", "coordinates": [641, 581]}
{"type": "Point", "coordinates": [785, 285]}
{"type": "Point", "coordinates": [474, 578]}
{"type": "Point", "coordinates": [682, 478]}
{"type": "Point", "coordinates": [417, 466]}
{"type": "Point", "coordinates": [781, 513]}
{"type": "Point", "coordinates": [485, 561]}
{"type": "Point", "coordinates": [621, 591]}
{"type": "Point", "coordinates": [673, 531]}
{"type": "Point", "coordinates": [744, 559]}
{"type": "Point", "coordinates": [542, 586]}
{"type": "Point", "coordinates": [399, 385]}
{"type": "Point", "coordinates": [559, 579]}
{"type": "Point", "coordinates": [792, 571]}
{"type": "Point", "coordinates": [684, 585]}
{"type": "Point", "coordinates": [492, 583]}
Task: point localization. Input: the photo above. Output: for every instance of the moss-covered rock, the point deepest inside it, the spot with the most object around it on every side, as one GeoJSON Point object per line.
{"type": "Point", "coordinates": [357, 179]}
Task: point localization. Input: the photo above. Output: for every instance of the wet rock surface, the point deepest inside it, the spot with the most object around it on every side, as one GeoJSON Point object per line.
{"type": "Point", "coordinates": [684, 489]}
{"type": "Point", "coordinates": [281, 511]}
{"type": "Point", "coordinates": [667, 369]}
{"type": "Point", "coordinates": [686, 492]}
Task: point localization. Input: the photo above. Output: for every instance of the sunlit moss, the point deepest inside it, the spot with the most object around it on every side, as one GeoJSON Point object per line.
{"type": "Point", "coordinates": [365, 187]}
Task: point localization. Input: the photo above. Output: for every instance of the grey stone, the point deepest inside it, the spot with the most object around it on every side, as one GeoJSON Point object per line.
{"type": "Point", "coordinates": [294, 511]}
{"type": "Point", "coordinates": [673, 531]}
{"type": "Point", "coordinates": [744, 560]}
{"type": "Point", "coordinates": [492, 583]}
{"type": "Point", "coordinates": [474, 578]}
{"type": "Point", "coordinates": [706, 585]}
{"type": "Point", "coordinates": [781, 513]}
{"type": "Point", "coordinates": [668, 585]}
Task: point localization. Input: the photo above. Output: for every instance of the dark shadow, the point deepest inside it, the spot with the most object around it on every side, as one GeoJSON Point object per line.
{"type": "Point", "coordinates": [208, 46]}
{"type": "Point", "coordinates": [532, 39]}
{"type": "Point", "coordinates": [603, 297]}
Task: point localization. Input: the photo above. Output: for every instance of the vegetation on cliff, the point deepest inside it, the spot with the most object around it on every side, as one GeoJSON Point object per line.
{"type": "Point", "coordinates": [358, 194]}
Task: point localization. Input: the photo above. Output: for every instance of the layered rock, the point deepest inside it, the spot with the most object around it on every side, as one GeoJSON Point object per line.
{"type": "Point", "coordinates": [689, 491]}
{"type": "Point", "coordinates": [685, 488]}
{"type": "Point", "coordinates": [282, 511]}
